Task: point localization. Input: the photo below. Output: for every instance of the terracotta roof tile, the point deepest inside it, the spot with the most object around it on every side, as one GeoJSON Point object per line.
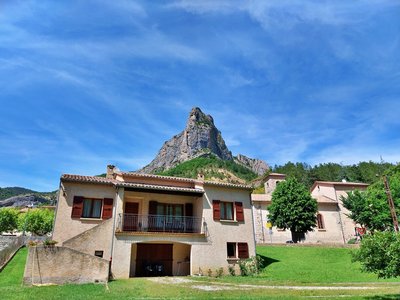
{"type": "Point", "coordinates": [86, 179]}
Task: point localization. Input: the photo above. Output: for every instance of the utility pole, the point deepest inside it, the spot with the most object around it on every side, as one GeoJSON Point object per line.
{"type": "Point", "coordinates": [391, 204]}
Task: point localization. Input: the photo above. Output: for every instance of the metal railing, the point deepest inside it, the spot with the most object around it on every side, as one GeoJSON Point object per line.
{"type": "Point", "coordinates": [159, 223]}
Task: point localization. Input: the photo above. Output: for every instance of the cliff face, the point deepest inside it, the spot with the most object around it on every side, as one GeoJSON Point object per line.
{"type": "Point", "coordinates": [198, 138]}
{"type": "Point", "coordinates": [258, 166]}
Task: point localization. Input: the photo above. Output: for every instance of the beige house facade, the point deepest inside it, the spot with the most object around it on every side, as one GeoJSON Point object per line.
{"type": "Point", "coordinates": [333, 226]}
{"type": "Point", "coordinates": [149, 225]}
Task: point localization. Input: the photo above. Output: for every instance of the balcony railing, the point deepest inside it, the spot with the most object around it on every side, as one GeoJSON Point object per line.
{"type": "Point", "coordinates": [159, 223]}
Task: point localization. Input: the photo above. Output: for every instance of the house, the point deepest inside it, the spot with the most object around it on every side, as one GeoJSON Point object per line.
{"type": "Point", "coordinates": [149, 225]}
{"type": "Point", "coordinates": [333, 224]}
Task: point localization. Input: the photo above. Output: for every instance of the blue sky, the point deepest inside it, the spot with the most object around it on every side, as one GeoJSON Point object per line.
{"type": "Point", "coordinates": [88, 83]}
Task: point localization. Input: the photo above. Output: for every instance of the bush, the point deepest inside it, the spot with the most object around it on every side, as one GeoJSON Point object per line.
{"type": "Point", "coordinates": [231, 270]}
{"type": "Point", "coordinates": [250, 266]}
{"type": "Point", "coordinates": [8, 219]}
{"type": "Point", "coordinates": [380, 254]}
{"type": "Point", "coordinates": [37, 221]}
{"type": "Point", "coordinates": [219, 272]}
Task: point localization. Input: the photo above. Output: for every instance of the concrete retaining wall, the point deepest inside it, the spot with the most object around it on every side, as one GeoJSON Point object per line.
{"type": "Point", "coordinates": [8, 246]}
{"type": "Point", "coordinates": [61, 265]}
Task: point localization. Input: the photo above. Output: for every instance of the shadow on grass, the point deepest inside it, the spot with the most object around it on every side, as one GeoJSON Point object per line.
{"type": "Point", "coordinates": [383, 297]}
{"type": "Point", "coordinates": [266, 261]}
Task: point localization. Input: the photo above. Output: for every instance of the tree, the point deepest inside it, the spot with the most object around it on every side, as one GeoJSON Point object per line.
{"type": "Point", "coordinates": [293, 208]}
{"type": "Point", "coordinates": [370, 208]}
{"type": "Point", "coordinates": [37, 221]}
{"type": "Point", "coordinates": [8, 219]}
{"type": "Point", "coordinates": [380, 254]}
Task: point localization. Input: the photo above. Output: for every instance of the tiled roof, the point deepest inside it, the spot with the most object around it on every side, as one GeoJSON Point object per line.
{"type": "Point", "coordinates": [231, 185]}
{"type": "Point", "coordinates": [87, 179]}
{"type": "Point", "coordinates": [159, 187]}
{"type": "Point", "coordinates": [182, 179]}
{"type": "Point", "coordinates": [339, 183]}
{"type": "Point", "coordinates": [324, 199]}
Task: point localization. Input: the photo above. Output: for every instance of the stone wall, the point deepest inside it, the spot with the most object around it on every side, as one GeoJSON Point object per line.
{"type": "Point", "coordinates": [60, 265]}
{"type": "Point", "coordinates": [8, 246]}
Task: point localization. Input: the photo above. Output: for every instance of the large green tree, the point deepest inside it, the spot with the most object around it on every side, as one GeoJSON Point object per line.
{"type": "Point", "coordinates": [293, 208]}
{"type": "Point", "coordinates": [8, 219]}
{"type": "Point", "coordinates": [370, 208]}
{"type": "Point", "coordinates": [37, 221]}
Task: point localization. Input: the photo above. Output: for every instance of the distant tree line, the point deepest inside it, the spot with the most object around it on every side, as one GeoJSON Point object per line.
{"type": "Point", "coordinates": [306, 174]}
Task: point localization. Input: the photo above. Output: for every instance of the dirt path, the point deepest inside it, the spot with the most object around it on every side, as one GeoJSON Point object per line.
{"type": "Point", "coordinates": [218, 286]}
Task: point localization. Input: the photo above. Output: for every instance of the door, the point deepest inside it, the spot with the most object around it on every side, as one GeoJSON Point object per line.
{"type": "Point", "coordinates": [131, 221]}
{"type": "Point", "coordinates": [154, 260]}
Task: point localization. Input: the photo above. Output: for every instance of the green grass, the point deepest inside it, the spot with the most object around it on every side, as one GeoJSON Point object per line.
{"type": "Point", "coordinates": [286, 266]}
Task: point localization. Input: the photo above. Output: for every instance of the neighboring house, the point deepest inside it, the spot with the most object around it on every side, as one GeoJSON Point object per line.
{"type": "Point", "coordinates": [333, 225]}
{"type": "Point", "coordinates": [149, 225]}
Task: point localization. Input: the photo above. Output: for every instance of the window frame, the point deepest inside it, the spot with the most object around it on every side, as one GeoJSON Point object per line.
{"type": "Point", "coordinates": [320, 222]}
{"type": "Point", "coordinates": [234, 246]}
{"type": "Point", "coordinates": [92, 206]}
{"type": "Point", "coordinates": [223, 211]}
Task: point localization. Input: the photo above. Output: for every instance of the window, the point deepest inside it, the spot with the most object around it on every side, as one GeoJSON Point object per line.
{"type": "Point", "coordinates": [231, 250]}
{"type": "Point", "coordinates": [320, 222]}
{"type": "Point", "coordinates": [237, 250]}
{"type": "Point", "coordinates": [226, 210]}
{"type": "Point", "coordinates": [92, 208]}
{"type": "Point", "coordinates": [230, 211]}
{"type": "Point", "coordinates": [99, 253]}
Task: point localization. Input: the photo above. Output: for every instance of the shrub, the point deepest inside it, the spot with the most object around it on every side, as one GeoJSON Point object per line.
{"type": "Point", "coordinates": [37, 221]}
{"type": "Point", "coordinates": [250, 266]}
{"type": "Point", "coordinates": [8, 219]}
{"type": "Point", "coordinates": [380, 254]}
{"type": "Point", "coordinates": [209, 273]}
{"type": "Point", "coordinates": [231, 270]}
{"type": "Point", "coordinates": [219, 272]}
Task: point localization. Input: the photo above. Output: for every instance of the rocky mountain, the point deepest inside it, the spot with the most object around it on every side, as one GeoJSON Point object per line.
{"type": "Point", "coordinates": [23, 201]}
{"type": "Point", "coordinates": [21, 197]}
{"type": "Point", "coordinates": [199, 138]}
{"type": "Point", "coordinates": [258, 166]}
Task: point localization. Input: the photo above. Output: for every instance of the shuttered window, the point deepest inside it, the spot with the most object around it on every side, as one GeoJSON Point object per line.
{"type": "Point", "coordinates": [243, 250]}
{"type": "Point", "coordinates": [239, 211]}
{"type": "Point", "coordinates": [320, 222]}
{"type": "Point", "coordinates": [216, 210]}
{"type": "Point", "coordinates": [92, 208]}
{"type": "Point", "coordinates": [107, 208]}
{"type": "Point", "coordinates": [77, 207]}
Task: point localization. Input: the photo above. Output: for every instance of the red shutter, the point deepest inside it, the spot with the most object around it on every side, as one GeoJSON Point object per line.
{"type": "Point", "coordinates": [239, 211]}
{"type": "Point", "coordinates": [216, 210]}
{"type": "Point", "coordinates": [107, 208]}
{"type": "Point", "coordinates": [243, 250]}
{"type": "Point", "coordinates": [77, 207]}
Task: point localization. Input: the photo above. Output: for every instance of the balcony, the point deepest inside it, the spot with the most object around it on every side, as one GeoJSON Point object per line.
{"type": "Point", "coordinates": [159, 223]}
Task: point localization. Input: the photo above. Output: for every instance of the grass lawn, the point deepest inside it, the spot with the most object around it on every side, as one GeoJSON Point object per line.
{"type": "Point", "coordinates": [286, 265]}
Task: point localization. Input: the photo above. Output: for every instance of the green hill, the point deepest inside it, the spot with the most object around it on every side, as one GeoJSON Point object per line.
{"type": "Point", "coordinates": [8, 192]}
{"type": "Point", "coordinates": [212, 168]}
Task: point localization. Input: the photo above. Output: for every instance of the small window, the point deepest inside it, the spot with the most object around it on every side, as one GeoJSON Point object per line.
{"type": "Point", "coordinates": [320, 222]}
{"type": "Point", "coordinates": [226, 210]}
{"type": "Point", "coordinates": [99, 253]}
{"type": "Point", "coordinates": [92, 208]}
{"type": "Point", "coordinates": [231, 250]}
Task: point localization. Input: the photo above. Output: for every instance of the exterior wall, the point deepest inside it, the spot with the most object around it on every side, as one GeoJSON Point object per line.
{"type": "Point", "coordinates": [213, 254]}
{"type": "Point", "coordinates": [66, 227]}
{"type": "Point", "coordinates": [62, 265]}
{"type": "Point", "coordinates": [332, 232]}
{"type": "Point", "coordinates": [96, 238]}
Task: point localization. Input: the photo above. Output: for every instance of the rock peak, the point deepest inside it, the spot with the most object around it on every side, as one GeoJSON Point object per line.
{"type": "Point", "coordinates": [196, 117]}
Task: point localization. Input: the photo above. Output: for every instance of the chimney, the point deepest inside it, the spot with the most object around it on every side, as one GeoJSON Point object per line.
{"type": "Point", "coordinates": [110, 172]}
